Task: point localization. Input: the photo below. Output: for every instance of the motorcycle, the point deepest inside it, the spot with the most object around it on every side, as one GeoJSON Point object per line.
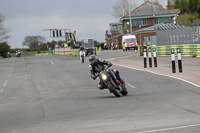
{"type": "Point", "coordinates": [110, 81]}
{"type": "Point", "coordinates": [82, 56]}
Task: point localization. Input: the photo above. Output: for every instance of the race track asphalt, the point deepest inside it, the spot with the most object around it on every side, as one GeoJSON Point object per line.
{"type": "Point", "coordinates": [55, 94]}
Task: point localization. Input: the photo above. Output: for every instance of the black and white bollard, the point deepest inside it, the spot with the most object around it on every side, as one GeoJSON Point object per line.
{"type": "Point", "coordinates": [179, 60]}
{"type": "Point", "coordinates": [145, 57]}
{"type": "Point", "coordinates": [150, 59]}
{"type": "Point", "coordinates": [173, 61]}
{"type": "Point", "coordinates": [154, 56]}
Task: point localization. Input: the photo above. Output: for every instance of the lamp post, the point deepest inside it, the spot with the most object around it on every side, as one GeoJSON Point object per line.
{"type": "Point", "coordinates": [130, 20]}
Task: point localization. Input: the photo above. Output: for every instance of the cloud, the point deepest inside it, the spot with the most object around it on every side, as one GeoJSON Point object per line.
{"type": "Point", "coordinates": [85, 26]}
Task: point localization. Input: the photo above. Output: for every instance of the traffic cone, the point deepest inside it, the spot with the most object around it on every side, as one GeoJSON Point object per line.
{"type": "Point", "coordinates": [135, 51]}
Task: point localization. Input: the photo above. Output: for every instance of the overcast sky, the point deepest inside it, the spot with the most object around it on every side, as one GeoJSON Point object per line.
{"type": "Point", "coordinates": [89, 18]}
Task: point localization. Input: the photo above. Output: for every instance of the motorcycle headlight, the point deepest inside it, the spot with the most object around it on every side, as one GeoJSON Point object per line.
{"type": "Point", "coordinates": [104, 77]}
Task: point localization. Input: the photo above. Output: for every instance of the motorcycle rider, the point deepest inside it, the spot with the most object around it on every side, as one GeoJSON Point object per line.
{"type": "Point", "coordinates": [97, 65]}
{"type": "Point", "coordinates": [81, 51]}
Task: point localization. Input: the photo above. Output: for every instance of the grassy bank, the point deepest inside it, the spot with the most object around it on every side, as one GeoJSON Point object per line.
{"type": "Point", "coordinates": [33, 53]}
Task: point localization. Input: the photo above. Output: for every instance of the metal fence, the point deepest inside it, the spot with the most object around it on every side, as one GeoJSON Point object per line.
{"type": "Point", "coordinates": [187, 35]}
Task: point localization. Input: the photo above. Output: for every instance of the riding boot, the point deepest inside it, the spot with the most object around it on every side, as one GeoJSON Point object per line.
{"type": "Point", "coordinates": [100, 86]}
{"type": "Point", "coordinates": [120, 79]}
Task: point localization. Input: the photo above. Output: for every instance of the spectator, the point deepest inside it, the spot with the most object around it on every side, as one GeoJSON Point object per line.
{"type": "Point", "coordinates": [69, 44]}
{"type": "Point", "coordinates": [16, 54]}
{"type": "Point", "coordinates": [112, 45]}
{"type": "Point", "coordinates": [19, 53]}
{"type": "Point", "coordinates": [9, 55]}
{"type": "Point", "coordinates": [105, 46]}
{"type": "Point", "coordinates": [65, 45]}
{"type": "Point", "coordinates": [102, 46]}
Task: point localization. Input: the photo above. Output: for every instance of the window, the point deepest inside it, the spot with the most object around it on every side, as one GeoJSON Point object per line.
{"type": "Point", "coordinates": [144, 21]}
{"type": "Point", "coordinates": [155, 20]}
{"type": "Point", "coordinates": [114, 27]}
{"type": "Point", "coordinates": [137, 22]}
{"type": "Point", "coordinates": [162, 19]}
{"type": "Point", "coordinates": [130, 40]}
{"type": "Point", "coordinates": [120, 27]}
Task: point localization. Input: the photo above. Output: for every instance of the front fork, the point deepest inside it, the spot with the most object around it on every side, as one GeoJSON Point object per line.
{"type": "Point", "coordinates": [117, 81]}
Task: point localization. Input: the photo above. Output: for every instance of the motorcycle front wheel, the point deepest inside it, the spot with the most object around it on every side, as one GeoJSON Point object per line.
{"type": "Point", "coordinates": [82, 59]}
{"type": "Point", "coordinates": [113, 90]}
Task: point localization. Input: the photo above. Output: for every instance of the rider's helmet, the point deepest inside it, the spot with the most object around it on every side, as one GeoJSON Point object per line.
{"type": "Point", "coordinates": [92, 59]}
{"type": "Point", "coordinates": [81, 46]}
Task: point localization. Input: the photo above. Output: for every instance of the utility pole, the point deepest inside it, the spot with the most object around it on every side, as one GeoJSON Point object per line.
{"type": "Point", "coordinates": [130, 20]}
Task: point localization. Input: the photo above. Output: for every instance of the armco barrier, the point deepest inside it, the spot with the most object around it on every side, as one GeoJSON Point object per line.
{"type": "Point", "coordinates": [62, 51]}
{"type": "Point", "coordinates": [192, 50]}
{"type": "Point", "coordinates": [41, 54]}
{"type": "Point", "coordinates": [198, 50]}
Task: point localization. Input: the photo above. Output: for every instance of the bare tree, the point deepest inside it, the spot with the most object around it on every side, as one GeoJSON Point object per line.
{"type": "Point", "coordinates": [121, 8]}
{"type": "Point", "coordinates": [156, 3]}
{"type": "Point", "coordinates": [3, 31]}
{"type": "Point", "coordinates": [33, 42]}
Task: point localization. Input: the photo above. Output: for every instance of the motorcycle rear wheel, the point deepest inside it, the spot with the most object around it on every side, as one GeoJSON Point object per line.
{"type": "Point", "coordinates": [82, 59]}
{"type": "Point", "coordinates": [125, 91]}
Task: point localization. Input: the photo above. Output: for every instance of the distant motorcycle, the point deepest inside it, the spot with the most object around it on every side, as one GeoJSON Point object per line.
{"type": "Point", "coordinates": [82, 56]}
{"type": "Point", "coordinates": [109, 80]}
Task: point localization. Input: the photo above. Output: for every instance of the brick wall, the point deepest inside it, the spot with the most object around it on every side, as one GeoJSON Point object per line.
{"type": "Point", "coordinates": [117, 40]}
{"type": "Point", "coordinates": [140, 37]}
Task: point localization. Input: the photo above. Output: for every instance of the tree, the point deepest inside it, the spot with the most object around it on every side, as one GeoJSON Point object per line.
{"type": "Point", "coordinates": [4, 49]}
{"type": "Point", "coordinates": [121, 8]}
{"type": "Point", "coordinates": [169, 5]}
{"type": "Point", "coordinates": [183, 6]}
{"type": "Point", "coordinates": [3, 31]}
{"type": "Point", "coordinates": [33, 42]}
{"type": "Point", "coordinates": [156, 3]}
{"type": "Point", "coordinates": [177, 4]}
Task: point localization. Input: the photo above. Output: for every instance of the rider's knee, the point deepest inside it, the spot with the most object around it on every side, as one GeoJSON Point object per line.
{"type": "Point", "coordinates": [116, 72]}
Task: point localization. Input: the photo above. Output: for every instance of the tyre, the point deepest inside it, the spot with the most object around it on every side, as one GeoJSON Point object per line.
{"type": "Point", "coordinates": [125, 91]}
{"type": "Point", "coordinates": [82, 59]}
{"type": "Point", "coordinates": [113, 90]}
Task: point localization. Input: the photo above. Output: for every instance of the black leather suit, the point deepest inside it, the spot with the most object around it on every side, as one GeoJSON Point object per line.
{"type": "Point", "coordinates": [100, 65]}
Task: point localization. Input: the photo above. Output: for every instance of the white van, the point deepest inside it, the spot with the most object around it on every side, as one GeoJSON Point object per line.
{"type": "Point", "coordinates": [129, 42]}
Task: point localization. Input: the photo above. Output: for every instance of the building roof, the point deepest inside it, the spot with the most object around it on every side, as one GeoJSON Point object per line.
{"type": "Point", "coordinates": [116, 23]}
{"type": "Point", "coordinates": [150, 9]}
{"type": "Point", "coordinates": [159, 27]}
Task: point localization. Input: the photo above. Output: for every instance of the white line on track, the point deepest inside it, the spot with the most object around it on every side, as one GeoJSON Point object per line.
{"type": "Point", "coordinates": [52, 63]}
{"type": "Point", "coordinates": [5, 83]}
{"type": "Point", "coordinates": [129, 85]}
{"type": "Point", "coordinates": [168, 129]}
{"type": "Point", "coordinates": [160, 75]}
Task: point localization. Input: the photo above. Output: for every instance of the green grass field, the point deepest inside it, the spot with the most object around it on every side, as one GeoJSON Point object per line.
{"type": "Point", "coordinates": [32, 53]}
